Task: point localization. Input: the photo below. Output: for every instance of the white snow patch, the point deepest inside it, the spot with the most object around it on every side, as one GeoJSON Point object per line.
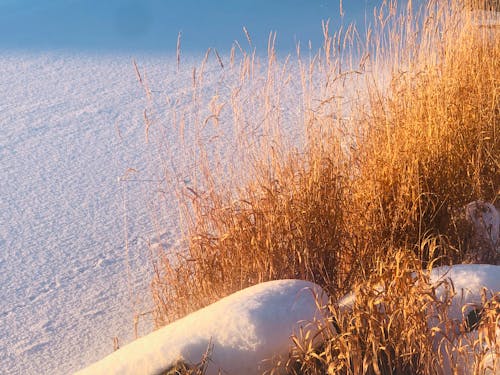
{"type": "Point", "coordinates": [246, 329]}
{"type": "Point", "coordinates": [71, 125]}
{"type": "Point", "coordinates": [468, 281]}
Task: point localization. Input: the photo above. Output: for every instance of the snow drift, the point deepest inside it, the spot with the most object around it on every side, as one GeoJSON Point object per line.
{"type": "Point", "coordinates": [245, 330]}
{"type": "Point", "coordinates": [468, 280]}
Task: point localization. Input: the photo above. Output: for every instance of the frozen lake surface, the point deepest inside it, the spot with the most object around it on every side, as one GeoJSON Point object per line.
{"type": "Point", "coordinates": [71, 126]}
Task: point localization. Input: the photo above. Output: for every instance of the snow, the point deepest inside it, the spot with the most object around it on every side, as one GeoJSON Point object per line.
{"type": "Point", "coordinates": [63, 263]}
{"type": "Point", "coordinates": [254, 324]}
{"type": "Point", "coordinates": [487, 19]}
{"type": "Point", "coordinates": [485, 221]}
{"type": "Point", "coordinates": [246, 329]}
{"type": "Point", "coordinates": [71, 125]}
{"type": "Point", "coordinates": [468, 281]}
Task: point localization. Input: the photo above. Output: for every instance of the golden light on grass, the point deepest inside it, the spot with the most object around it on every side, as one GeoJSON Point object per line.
{"type": "Point", "coordinates": [358, 179]}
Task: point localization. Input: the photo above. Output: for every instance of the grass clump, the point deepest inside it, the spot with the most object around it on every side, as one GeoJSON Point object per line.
{"type": "Point", "coordinates": [384, 331]}
{"type": "Point", "coordinates": [349, 168]}
{"type": "Point", "coordinates": [398, 324]}
{"type": "Point", "coordinates": [430, 144]}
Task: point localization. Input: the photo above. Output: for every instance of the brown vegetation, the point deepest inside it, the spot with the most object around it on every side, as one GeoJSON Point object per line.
{"type": "Point", "coordinates": [359, 179]}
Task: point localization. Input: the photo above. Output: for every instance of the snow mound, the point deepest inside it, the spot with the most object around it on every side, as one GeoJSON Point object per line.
{"type": "Point", "coordinates": [468, 281]}
{"type": "Point", "coordinates": [245, 329]}
{"type": "Point", "coordinates": [465, 284]}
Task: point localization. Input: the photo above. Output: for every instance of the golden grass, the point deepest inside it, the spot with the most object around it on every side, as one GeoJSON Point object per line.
{"type": "Point", "coordinates": [384, 332]}
{"type": "Point", "coordinates": [397, 325]}
{"type": "Point", "coordinates": [386, 138]}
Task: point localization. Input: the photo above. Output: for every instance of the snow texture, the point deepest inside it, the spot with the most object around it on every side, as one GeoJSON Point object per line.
{"type": "Point", "coordinates": [78, 183]}
{"type": "Point", "coordinates": [71, 120]}
{"type": "Point", "coordinates": [468, 281]}
{"type": "Point", "coordinates": [487, 19]}
{"type": "Point", "coordinates": [254, 324]}
{"type": "Point", "coordinates": [464, 363]}
{"type": "Point", "coordinates": [246, 329]}
{"type": "Point", "coordinates": [71, 125]}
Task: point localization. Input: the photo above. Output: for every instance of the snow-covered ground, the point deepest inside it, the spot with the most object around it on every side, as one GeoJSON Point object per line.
{"type": "Point", "coordinates": [70, 127]}
{"type": "Point", "coordinates": [71, 123]}
{"type": "Point", "coordinates": [242, 333]}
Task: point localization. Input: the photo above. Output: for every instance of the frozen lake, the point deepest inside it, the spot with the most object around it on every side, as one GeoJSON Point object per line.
{"type": "Point", "coordinates": [71, 120]}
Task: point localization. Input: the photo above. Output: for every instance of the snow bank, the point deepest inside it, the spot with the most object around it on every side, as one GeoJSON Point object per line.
{"type": "Point", "coordinates": [486, 19]}
{"type": "Point", "coordinates": [461, 353]}
{"type": "Point", "coordinates": [485, 221]}
{"type": "Point", "coordinates": [245, 329]}
{"type": "Point", "coordinates": [251, 326]}
{"type": "Point", "coordinates": [468, 281]}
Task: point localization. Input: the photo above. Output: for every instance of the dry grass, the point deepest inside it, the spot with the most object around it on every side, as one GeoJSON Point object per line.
{"type": "Point", "coordinates": [430, 145]}
{"type": "Point", "coordinates": [386, 329]}
{"type": "Point", "coordinates": [397, 325]}
{"type": "Point", "coordinates": [383, 141]}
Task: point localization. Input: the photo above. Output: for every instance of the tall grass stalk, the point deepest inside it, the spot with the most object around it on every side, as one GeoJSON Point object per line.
{"type": "Point", "coordinates": [326, 165]}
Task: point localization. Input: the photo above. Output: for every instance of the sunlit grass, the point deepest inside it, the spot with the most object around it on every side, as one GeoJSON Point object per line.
{"type": "Point", "coordinates": [357, 180]}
